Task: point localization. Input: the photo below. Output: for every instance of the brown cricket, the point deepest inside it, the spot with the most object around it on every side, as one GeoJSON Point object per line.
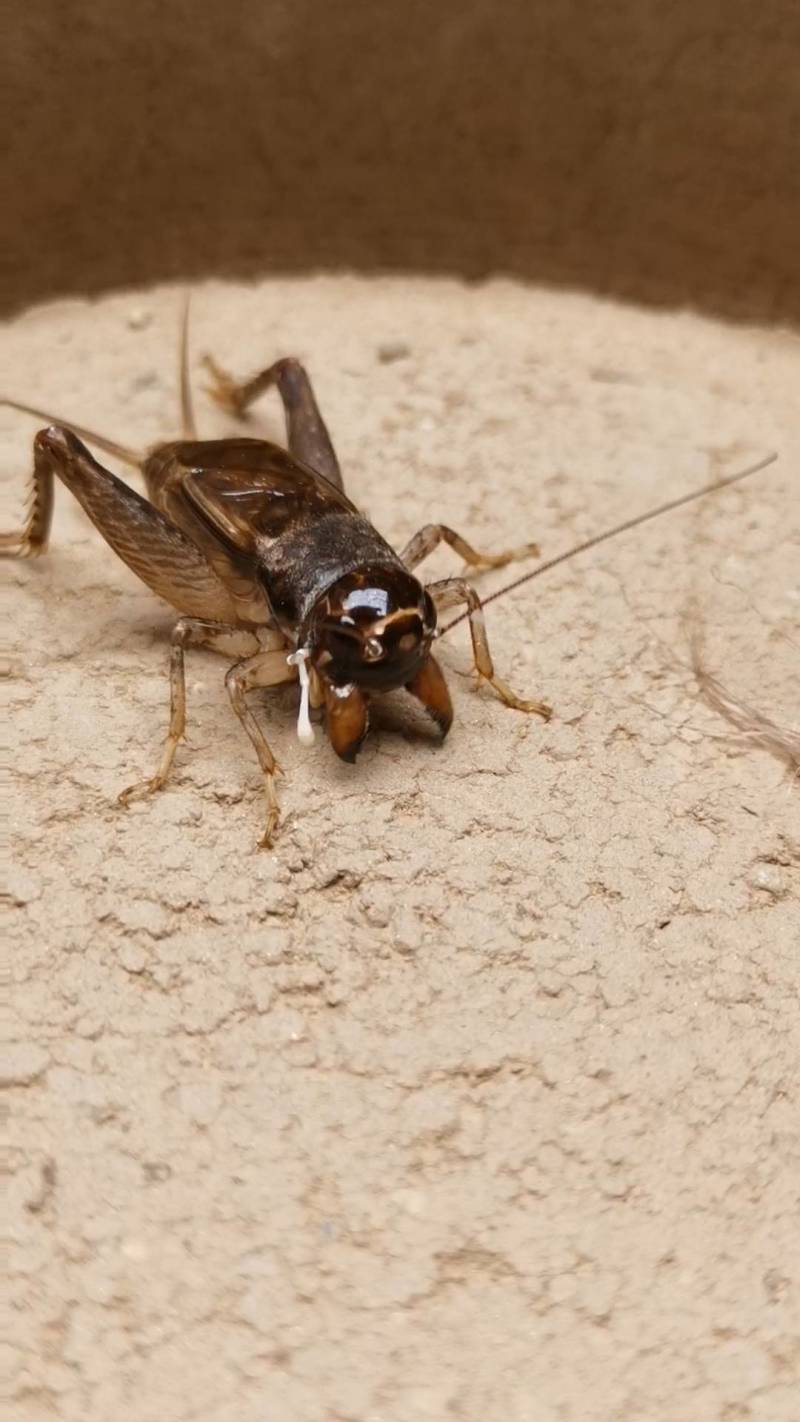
{"type": "Point", "coordinates": [240, 535]}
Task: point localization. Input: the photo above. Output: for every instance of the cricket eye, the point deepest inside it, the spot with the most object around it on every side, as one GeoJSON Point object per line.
{"type": "Point", "coordinates": [373, 649]}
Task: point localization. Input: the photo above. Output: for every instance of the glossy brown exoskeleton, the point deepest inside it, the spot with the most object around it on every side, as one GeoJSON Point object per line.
{"type": "Point", "coordinates": [240, 534]}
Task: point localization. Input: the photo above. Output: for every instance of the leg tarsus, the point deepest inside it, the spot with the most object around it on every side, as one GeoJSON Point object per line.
{"type": "Point", "coordinates": [142, 788]}
{"type": "Point", "coordinates": [428, 538]}
{"type": "Point", "coordinates": [517, 703]}
{"type": "Point", "coordinates": [226, 392]}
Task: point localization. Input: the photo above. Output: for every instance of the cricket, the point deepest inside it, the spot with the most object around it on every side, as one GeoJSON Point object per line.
{"type": "Point", "coordinates": [240, 535]}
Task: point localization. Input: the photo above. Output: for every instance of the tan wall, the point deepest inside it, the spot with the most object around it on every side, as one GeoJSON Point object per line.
{"type": "Point", "coordinates": [638, 147]}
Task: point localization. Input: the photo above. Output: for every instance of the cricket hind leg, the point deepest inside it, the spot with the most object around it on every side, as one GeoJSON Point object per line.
{"type": "Point", "coordinates": [153, 547]}
{"type": "Point", "coordinates": [433, 534]}
{"type": "Point", "coordinates": [307, 433]}
{"type": "Point", "coordinates": [453, 592]}
{"type": "Point", "coordinates": [32, 539]}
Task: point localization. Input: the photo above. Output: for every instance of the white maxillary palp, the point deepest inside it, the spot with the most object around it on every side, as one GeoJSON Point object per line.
{"type": "Point", "coordinates": [305, 730]}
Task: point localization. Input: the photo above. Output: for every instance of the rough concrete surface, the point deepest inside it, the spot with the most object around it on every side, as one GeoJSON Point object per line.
{"type": "Point", "coordinates": [476, 1098]}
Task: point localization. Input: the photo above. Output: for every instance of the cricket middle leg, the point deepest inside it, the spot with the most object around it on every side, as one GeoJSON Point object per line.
{"type": "Point", "coordinates": [188, 631]}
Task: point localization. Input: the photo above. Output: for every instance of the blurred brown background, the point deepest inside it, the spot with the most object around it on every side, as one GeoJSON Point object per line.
{"type": "Point", "coordinates": [637, 147]}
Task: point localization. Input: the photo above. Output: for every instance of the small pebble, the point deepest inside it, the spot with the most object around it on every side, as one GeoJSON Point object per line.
{"type": "Point", "coordinates": [393, 350]}
{"type": "Point", "coordinates": [769, 878]}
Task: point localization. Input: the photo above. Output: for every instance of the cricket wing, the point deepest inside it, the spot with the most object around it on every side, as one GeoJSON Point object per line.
{"type": "Point", "coordinates": [251, 492]}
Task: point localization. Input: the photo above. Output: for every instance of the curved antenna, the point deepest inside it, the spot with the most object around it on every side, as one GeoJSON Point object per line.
{"type": "Point", "coordinates": [120, 451]}
{"type": "Point", "coordinates": [188, 426]}
{"type": "Point", "coordinates": [625, 527]}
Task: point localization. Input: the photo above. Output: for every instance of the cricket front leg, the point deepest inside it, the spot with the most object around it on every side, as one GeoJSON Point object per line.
{"type": "Point", "coordinates": [189, 631]}
{"type": "Point", "coordinates": [433, 534]}
{"type": "Point", "coordinates": [265, 669]}
{"type": "Point", "coordinates": [307, 433]}
{"type": "Point", "coordinates": [455, 592]}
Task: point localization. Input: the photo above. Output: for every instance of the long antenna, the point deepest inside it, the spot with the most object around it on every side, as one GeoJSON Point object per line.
{"type": "Point", "coordinates": [188, 426]}
{"type": "Point", "coordinates": [120, 451]}
{"type": "Point", "coordinates": [620, 528]}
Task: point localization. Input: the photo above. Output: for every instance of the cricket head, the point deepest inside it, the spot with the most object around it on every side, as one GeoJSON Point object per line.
{"type": "Point", "coordinates": [370, 632]}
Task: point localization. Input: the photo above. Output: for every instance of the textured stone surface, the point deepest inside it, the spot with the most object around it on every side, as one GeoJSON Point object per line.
{"type": "Point", "coordinates": [477, 1098]}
